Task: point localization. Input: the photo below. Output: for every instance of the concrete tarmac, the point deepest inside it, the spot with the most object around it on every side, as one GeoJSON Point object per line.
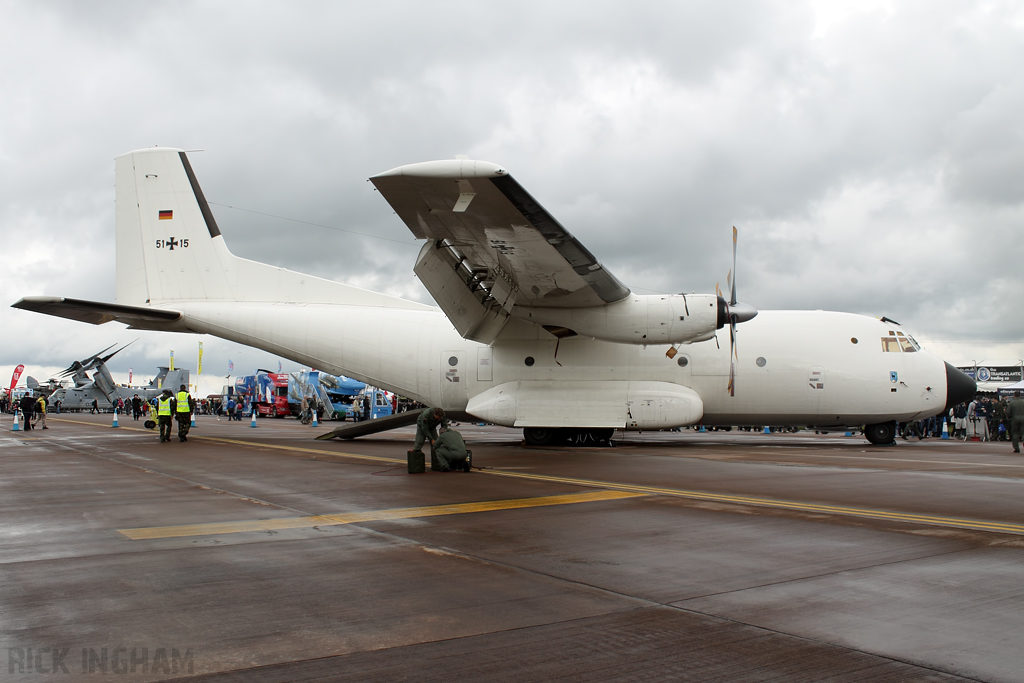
{"type": "Point", "coordinates": [261, 555]}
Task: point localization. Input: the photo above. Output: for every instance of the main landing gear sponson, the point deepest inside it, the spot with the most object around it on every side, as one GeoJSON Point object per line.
{"type": "Point", "coordinates": [550, 436]}
{"type": "Point", "coordinates": [881, 434]}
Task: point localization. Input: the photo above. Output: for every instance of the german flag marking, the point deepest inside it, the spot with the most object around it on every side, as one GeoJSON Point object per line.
{"type": "Point", "coordinates": [166, 215]}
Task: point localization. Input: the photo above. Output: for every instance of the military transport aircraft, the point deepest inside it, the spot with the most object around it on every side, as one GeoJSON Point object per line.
{"type": "Point", "coordinates": [532, 331]}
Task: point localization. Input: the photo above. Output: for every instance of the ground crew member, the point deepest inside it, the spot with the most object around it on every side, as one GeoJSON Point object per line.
{"type": "Point", "coordinates": [183, 413]}
{"type": "Point", "coordinates": [426, 426]}
{"type": "Point", "coordinates": [450, 451]}
{"type": "Point", "coordinates": [41, 409]}
{"type": "Point", "coordinates": [164, 408]}
{"type": "Point", "coordinates": [1015, 414]}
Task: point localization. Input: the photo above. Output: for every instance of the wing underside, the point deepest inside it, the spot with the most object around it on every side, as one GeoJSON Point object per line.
{"type": "Point", "coordinates": [500, 233]}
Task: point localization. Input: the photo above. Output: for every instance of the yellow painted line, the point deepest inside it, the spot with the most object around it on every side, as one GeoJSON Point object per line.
{"type": "Point", "coordinates": [298, 449]}
{"type": "Point", "coordinates": [781, 456]}
{"type": "Point", "coordinates": [956, 522]}
{"type": "Point", "coordinates": [256, 444]}
{"type": "Point", "coordinates": [370, 516]}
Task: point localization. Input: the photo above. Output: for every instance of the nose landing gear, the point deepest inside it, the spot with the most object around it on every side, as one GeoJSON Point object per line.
{"type": "Point", "coordinates": [881, 434]}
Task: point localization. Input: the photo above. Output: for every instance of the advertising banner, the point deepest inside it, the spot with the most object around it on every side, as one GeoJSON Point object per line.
{"type": "Point", "coordinates": [993, 373]}
{"type": "Point", "coordinates": [16, 376]}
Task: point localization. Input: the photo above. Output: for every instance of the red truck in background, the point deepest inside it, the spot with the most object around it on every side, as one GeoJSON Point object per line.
{"type": "Point", "coordinates": [272, 394]}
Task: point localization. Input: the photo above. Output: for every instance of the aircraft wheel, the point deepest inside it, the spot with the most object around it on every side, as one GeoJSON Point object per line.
{"type": "Point", "coordinates": [542, 436]}
{"type": "Point", "coordinates": [881, 434]}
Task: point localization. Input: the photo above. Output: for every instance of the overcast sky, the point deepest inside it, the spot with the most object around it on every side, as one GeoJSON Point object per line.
{"type": "Point", "coordinates": [870, 153]}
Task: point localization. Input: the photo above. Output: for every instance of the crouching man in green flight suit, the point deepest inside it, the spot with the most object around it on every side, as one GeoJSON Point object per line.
{"type": "Point", "coordinates": [450, 451]}
{"type": "Point", "coordinates": [426, 426]}
{"type": "Point", "coordinates": [1015, 414]}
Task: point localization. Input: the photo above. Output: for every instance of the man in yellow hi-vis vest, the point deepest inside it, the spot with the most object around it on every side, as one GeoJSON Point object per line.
{"type": "Point", "coordinates": [183, 413]}
{"type": "Point", "coordinates": [41, 410]}
{"type": "Point", "coordinates": [163, 414]}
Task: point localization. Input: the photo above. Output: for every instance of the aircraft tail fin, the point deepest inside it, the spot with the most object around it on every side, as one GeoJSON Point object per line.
{"type": "Point", "coordinates": [169, 247]}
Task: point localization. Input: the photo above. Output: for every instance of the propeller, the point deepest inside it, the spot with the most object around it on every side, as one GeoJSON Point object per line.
{"type": "Point", "coordinates": [735, 313]}
{"type": "Point", "coordinates": [94, 360]}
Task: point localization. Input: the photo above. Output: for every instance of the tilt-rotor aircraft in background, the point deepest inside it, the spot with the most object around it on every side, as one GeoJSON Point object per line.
{"type": "Point", "coordinates": [532, 331]}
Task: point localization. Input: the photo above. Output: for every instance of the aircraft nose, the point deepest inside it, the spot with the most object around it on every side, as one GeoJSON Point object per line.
{"type": "Point", "coordinates": [959, 387]}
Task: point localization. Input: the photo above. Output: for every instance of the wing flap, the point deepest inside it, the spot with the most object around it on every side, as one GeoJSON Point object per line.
{"type": "Point", "coordinates": [98, 312]}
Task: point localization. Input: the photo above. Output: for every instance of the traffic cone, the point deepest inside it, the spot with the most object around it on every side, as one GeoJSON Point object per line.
{"type": "Point", "coordinates": [253, 423]}
{"type": "Point", "coordinates": [702, 428]}
{"type": "Point", "coordinates": [767, 429]}
{"type": "Point", "coordinates": [115, 419]}
{"type": "Point", "coordinates": [945, 429]}
{"type": "Point", "coordinates": [316, 420]}
{"type": "Point", "coordinates": [17, 421]}
{"type": "Point", "coordinates": [193, 420]}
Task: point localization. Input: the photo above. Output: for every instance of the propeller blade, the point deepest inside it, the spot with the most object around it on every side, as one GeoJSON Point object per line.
{"type": "Point", "coordinates": [732, 299]}
{"type": "Point", "coordinates": [109, 356]}
{"type": "Point", "coordinates": [733, 357]}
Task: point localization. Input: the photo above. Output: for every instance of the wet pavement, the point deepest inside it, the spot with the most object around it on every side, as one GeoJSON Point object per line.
{"type": "Point", "coordinates": [262, 555]}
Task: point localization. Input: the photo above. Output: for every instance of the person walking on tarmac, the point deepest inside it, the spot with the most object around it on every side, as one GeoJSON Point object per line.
{"type": "Point", "coordinates": [426, 426]}
{"type": "Point", "coordinates": [1015, 415]}
{"type": "Point", "coordinates": [164, 408]}
{"type": "Point", "coordinates": [41, 410]}
{"type": "Point", "coordinates": [28, 408]}
{"type": "Point", "coordinates": [183, 412]}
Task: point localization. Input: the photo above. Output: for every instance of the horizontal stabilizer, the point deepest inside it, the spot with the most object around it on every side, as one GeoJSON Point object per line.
{"type": "Point", "coordinates": [98, 312]}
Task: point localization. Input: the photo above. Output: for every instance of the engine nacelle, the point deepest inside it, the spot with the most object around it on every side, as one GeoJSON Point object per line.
{"type": "Point", "coordinates": [617, 404]}
{"type": "Point", "coordinates": [637, 319]}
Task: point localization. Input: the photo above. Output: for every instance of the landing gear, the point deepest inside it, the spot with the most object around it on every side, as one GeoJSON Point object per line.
{"type": "Point", "coordinates": [881, 434]}
{"type": "Point", "coordinates": [549, 436]}
{"type": "Point", "coordinates": [542, 436]}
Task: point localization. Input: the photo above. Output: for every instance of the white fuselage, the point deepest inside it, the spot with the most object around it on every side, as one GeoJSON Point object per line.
{"type": "Point", "coordinates": [793, 367]}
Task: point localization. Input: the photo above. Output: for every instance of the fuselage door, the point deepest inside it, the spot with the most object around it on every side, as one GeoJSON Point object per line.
{"type": "Point", "coordinates": [454, 376]}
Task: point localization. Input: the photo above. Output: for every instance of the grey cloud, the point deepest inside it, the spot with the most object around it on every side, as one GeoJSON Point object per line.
{"type": "Point", "coordinates": [865, 161]}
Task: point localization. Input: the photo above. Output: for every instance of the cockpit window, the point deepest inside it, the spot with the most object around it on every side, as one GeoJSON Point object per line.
{"type": "Point", "coordinates": [898, 342]}
{"type": "Point", "coordinates": [890, 345]}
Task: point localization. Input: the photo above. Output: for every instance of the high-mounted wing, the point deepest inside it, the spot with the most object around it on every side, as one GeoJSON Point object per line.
{"type": "Point", "coordinates": [503, 247]}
